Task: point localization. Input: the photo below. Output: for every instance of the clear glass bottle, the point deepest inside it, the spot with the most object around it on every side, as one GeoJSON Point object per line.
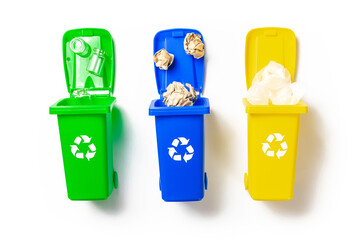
{"type": "Point", "coordinates": [96, 62]}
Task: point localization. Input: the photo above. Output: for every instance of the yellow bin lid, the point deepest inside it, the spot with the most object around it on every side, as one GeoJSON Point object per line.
{"type": "Point", "coordinates": [269, 44]}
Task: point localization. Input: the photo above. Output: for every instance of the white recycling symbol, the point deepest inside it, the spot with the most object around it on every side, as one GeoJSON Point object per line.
{"type": "Point", "coordinates": [270, 152]}
{"type": "Point", "coordinates": [184, 142]}
{"type": "Point", "coordinates": [90, 153]}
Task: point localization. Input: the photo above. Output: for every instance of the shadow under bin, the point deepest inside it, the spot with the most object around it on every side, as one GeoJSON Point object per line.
{"type": "Point", "coordinates": [85, 123]}
{"type": "Point", "coordinates": [272, 129]}
{"type": "Point", "coordinates": [180, 130]}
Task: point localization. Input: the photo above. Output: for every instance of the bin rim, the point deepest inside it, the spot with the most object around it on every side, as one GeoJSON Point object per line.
{"type": "Point", "coordinates": [82, 108]}
{"type": "Point", "coordinates": [173, 111]}
{"type": "Point", "coordinates": [301, 107]}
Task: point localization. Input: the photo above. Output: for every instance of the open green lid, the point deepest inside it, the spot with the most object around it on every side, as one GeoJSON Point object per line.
{"type": "Point", "coordinates": [89, 62]}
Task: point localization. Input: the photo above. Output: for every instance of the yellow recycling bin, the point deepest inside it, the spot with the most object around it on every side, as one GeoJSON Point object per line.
{"type": "Point", "coordinates": [272, 129]}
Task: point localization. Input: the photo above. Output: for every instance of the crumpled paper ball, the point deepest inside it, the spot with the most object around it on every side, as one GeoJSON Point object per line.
{"type": "Point", "coordinates": [193, 45]}
{"type": "Point", "coordinates": [177, 95]}
{"type": "Point", "coordinates": [163, 59]}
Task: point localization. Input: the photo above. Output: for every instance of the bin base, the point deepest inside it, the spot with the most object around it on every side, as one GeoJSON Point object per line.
{"type": "Point", "coordinates": [184, 200]}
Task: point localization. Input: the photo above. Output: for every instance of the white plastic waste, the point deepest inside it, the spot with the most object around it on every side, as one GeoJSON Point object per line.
{"type": "Point", "coordinates": [272, 85]}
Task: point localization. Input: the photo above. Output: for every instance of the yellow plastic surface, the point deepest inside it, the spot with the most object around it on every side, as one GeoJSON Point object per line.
{"type": "Point", "coordinates": [272, 129]}
{"type": "Point", "coordinates": [269, 44]}
{"type": "Point", "coordinates": [301, 107]}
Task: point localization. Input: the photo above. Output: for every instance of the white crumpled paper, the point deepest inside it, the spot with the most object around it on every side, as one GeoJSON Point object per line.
{"type": "Point", "coordinates": [272, 85]}
{"type": "Point", "coordinates": [193, 45]}
{"type": "Point", "coordinates": [178, 96]}
{"type": "Point", "coordinates": [163, 59]}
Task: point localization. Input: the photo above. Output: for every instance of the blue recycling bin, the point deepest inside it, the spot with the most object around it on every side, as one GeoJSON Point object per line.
{"type": "Point", "coordinates": [180, 130]}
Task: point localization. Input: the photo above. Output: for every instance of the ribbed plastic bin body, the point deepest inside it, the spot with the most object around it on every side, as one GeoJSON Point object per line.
{"type": "Point", "coordinates": [182, 176]}
{"type": "Point", "coordinates": [272, 148]}
{"type": "Point", "coordinates": [180, 130]}
{"type": "Point", "coordinates": [88, 176]}
{"type": "Point", "coordinates": [85, 118]}
{"type": "Point", "coordinates": [273, 130]}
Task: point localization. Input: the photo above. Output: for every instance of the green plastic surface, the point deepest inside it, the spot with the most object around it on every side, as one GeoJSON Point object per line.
{"type": "Point", "coordinates": [85, 120]}
{"type": "Point", "coordinates": [84, 105]}
{"type": "Point", "coordinates": [76, 73]}
{"type": "Point", "coordinates": [87, 180]}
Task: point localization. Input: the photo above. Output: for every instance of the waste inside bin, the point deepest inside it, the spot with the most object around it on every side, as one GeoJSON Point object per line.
{"type": "Point", "coordinates": [272, 129]}
{"type": "Point", "coordinates": [85, 118]}
{"type": "Point", "coordinates": [180, 130]}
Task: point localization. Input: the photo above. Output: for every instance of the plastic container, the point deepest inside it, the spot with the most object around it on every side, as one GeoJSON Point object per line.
{"type": "Point", "coordinates": [272, 130]}
{"type": "Point", "coordinates": [180, 130]}
{"type": "Point", "coordinates": [85, 118]}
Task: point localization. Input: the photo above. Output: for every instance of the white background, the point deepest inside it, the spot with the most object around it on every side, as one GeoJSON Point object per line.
{"type": "Point", "coordinates": [33, 199]}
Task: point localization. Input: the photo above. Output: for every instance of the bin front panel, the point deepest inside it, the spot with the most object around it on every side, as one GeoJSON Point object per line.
{"type": "Point", "coordinates": [87, 154]}
{"type": "Point", "coordinates": [180, 141]}
{"type": "Point", "coordinates": [272, 149]}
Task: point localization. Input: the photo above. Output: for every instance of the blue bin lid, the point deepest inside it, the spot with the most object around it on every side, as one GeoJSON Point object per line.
{"type": "Point", "coordinates": [185, 68]}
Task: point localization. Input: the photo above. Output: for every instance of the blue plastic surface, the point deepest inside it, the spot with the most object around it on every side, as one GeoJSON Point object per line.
{"type": "Point", "coordinates": [180, 130]}
{"type": "Point", "coordinates": [181, 180]}
{"type": "Point", "coordinates": [158, 108]}
{"type": "Point", "coordinates": [185, 68]}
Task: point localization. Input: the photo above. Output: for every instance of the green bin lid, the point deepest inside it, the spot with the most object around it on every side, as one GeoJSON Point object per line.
{"type": "Point", "coordinates": [89, 61]}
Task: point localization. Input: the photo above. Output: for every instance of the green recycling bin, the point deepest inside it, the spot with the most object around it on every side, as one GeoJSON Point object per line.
{"type": "Point", "coordinates": [85, 117]}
